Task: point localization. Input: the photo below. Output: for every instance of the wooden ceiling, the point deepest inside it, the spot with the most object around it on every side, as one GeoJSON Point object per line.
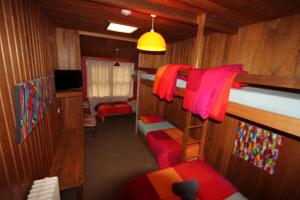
{"type": "Point", "coordinates": [176, 19]}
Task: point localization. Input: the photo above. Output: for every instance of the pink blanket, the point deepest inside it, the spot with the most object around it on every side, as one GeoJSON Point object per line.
{"type": "Point", "coordinates": [207, 90]}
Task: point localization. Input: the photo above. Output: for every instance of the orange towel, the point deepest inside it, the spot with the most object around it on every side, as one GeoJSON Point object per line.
{"type": "Point", "coordinates": [165, 81]}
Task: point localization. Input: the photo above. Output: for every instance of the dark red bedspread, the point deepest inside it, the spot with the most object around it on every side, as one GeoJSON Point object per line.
{"type": "Point", "coordinates": [106, 109]}
{"type": "Point", "coordinates": [157, 185]}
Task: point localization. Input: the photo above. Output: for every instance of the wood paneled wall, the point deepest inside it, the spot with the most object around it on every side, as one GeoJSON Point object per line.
{"type": "Point", "coordinates": [268, 48]}
{"type": "Point", "coordinates": [27, 46]}
{"type": "Point", "coordinates": [68, 49]}
{"type": "Point", "coordinates": [106, 48]}
{"type": "Point", "coordinates": [177, 53]}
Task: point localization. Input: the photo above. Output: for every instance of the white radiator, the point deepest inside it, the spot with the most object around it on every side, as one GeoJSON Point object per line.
{"type": "Point", "coordinates": [44, 189]}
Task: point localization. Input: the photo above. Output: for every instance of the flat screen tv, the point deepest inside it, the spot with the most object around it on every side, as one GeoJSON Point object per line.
{"type": "Point", "coordinates": [68, 80]}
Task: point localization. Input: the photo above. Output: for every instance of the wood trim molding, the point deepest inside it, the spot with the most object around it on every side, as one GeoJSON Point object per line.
{"type": "Point", "coordinates": [107, 36]}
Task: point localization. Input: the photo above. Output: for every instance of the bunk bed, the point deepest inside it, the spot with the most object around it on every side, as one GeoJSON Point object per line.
{"type": "Point", "coordinates": [263, 101]}
{"type": "Point", "coordinates": [271, 95]}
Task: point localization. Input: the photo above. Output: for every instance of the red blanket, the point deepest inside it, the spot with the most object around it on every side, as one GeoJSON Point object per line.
{"type": "Point", "coordinates": [165, 81]}
{"type": "Point", "coordinates": [207, 90]}
{"type": "Point", "coordinates": [157, 185]}
{"type": "Point", "coordinates": [167, 146]}
{"type": "Point", "coordinates": [105, 109]}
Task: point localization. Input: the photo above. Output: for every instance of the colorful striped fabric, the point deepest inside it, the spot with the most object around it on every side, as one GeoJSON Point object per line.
{"type": "Point", "coordinates": [258, 146]}
{"type": "Point", "coordinates": [167, 146]}
{"type": "Point", "coordinates": [157, 185]}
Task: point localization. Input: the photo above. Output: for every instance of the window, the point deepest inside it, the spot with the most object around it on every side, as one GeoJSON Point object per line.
{"type": "Point", "coordinates": [108, 82]}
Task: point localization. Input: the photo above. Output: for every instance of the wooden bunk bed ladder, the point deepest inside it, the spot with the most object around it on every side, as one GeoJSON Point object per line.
{"type": "Point", "coordinates": [200, 138]}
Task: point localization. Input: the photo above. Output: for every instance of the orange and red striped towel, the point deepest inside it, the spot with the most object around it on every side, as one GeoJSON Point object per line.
{"type": "Point", "coordinates": [165, 80]}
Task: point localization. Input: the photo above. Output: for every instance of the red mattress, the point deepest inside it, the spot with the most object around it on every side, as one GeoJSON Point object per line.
{"type": "Point", "coordinates": [158, 184]}
{"type": "Point", "coordinates": [106, 109]}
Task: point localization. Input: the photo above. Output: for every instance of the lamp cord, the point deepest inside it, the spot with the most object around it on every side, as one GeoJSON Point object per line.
{"type": "Point", "coordinates": [153, 16]}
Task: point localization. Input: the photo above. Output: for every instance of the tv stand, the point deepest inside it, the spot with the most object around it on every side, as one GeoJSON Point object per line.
{"type": "Point", "coordinates": [70, 112]}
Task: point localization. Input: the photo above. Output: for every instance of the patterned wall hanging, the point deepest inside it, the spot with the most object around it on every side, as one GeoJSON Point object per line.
{"type": "Point", "coordinates": [32, 100]}
{"type": "Point", "coordinates": [258, 146]}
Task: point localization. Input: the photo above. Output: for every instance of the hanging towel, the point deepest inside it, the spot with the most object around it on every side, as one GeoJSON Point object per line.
{"type": "Point", "coordinates": [208, 90]}
{"type": "Point", "coordinates": [165, 81]}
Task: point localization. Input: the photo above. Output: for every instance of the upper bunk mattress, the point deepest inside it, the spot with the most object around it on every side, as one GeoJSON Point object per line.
{"type": "Point", "coordinates": [279, 102]}
{"type": "Point", "coordinates": [284, 103]}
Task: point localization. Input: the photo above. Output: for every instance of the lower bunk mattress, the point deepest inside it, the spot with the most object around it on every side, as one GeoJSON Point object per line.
{"type": "Point", "coordinates": [165, 141]}
{"type": "Point", "coordinates": [157, 185]}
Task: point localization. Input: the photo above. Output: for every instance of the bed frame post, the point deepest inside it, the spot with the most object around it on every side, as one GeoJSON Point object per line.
{"type": "Point", "coordinates": [197, 61]}
{"type": "Point", "coordinates": [199, 43]}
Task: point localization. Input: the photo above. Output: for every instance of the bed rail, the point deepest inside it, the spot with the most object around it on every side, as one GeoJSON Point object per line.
{"type": "Point", "coordinates": [262, 80]}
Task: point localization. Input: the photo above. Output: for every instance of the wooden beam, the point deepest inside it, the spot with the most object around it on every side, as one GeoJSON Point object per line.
{"type": "Point", "coordinates": [107, 36]}
{"type": "Point", "coordinates": [216, 26]}
{"type": "Point", "coordinates": [277, 121]}
{"type": "Point", "coordinates": [168, 12]}
{"type": "Point", "coordinates": [152, 8]}
{"type": "Point", "coordinates": [273, 81]}
{"type": "Point", "coordinates": [198, 45]}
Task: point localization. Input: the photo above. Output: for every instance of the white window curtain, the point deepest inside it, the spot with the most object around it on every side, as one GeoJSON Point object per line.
{"type": "Point", "coordinates": [109, 83]}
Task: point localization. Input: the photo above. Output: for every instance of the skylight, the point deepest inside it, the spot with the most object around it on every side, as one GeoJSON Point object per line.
{"type": "Point", "coordinates": [121, 28]}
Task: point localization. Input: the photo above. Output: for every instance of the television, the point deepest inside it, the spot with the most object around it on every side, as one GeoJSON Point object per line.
{"type": "Point", "coordinates": [67, 80]}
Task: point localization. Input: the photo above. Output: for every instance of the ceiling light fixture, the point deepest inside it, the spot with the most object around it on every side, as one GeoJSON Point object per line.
{"type": "Point", "coordinates": [116, 63]}
{"type": "Point", "coordinates": [151, 41]}
{"type": "Point", "coordinates": [121, 28]}
{"type": "Point", "coordinates": [126, 12]}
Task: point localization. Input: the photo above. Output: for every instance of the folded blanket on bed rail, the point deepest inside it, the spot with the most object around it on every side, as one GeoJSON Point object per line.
{"type": "Point", "coordinates": [207, 90]}
{"type": "Point", "coordinates": [158, 184]}
{"type": "Point", "coordinates": [167, 146]}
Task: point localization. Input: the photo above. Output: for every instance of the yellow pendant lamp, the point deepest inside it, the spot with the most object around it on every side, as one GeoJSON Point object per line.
{"type": "Point", "coordinates": [151, 41]}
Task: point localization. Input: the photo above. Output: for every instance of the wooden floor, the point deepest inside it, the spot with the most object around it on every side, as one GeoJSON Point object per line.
{"type": "Point", "coordinates": [112, 156]}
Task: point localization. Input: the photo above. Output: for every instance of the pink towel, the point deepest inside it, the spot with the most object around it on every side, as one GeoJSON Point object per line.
{"type": "Point", "coordinates": [204, 88]}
